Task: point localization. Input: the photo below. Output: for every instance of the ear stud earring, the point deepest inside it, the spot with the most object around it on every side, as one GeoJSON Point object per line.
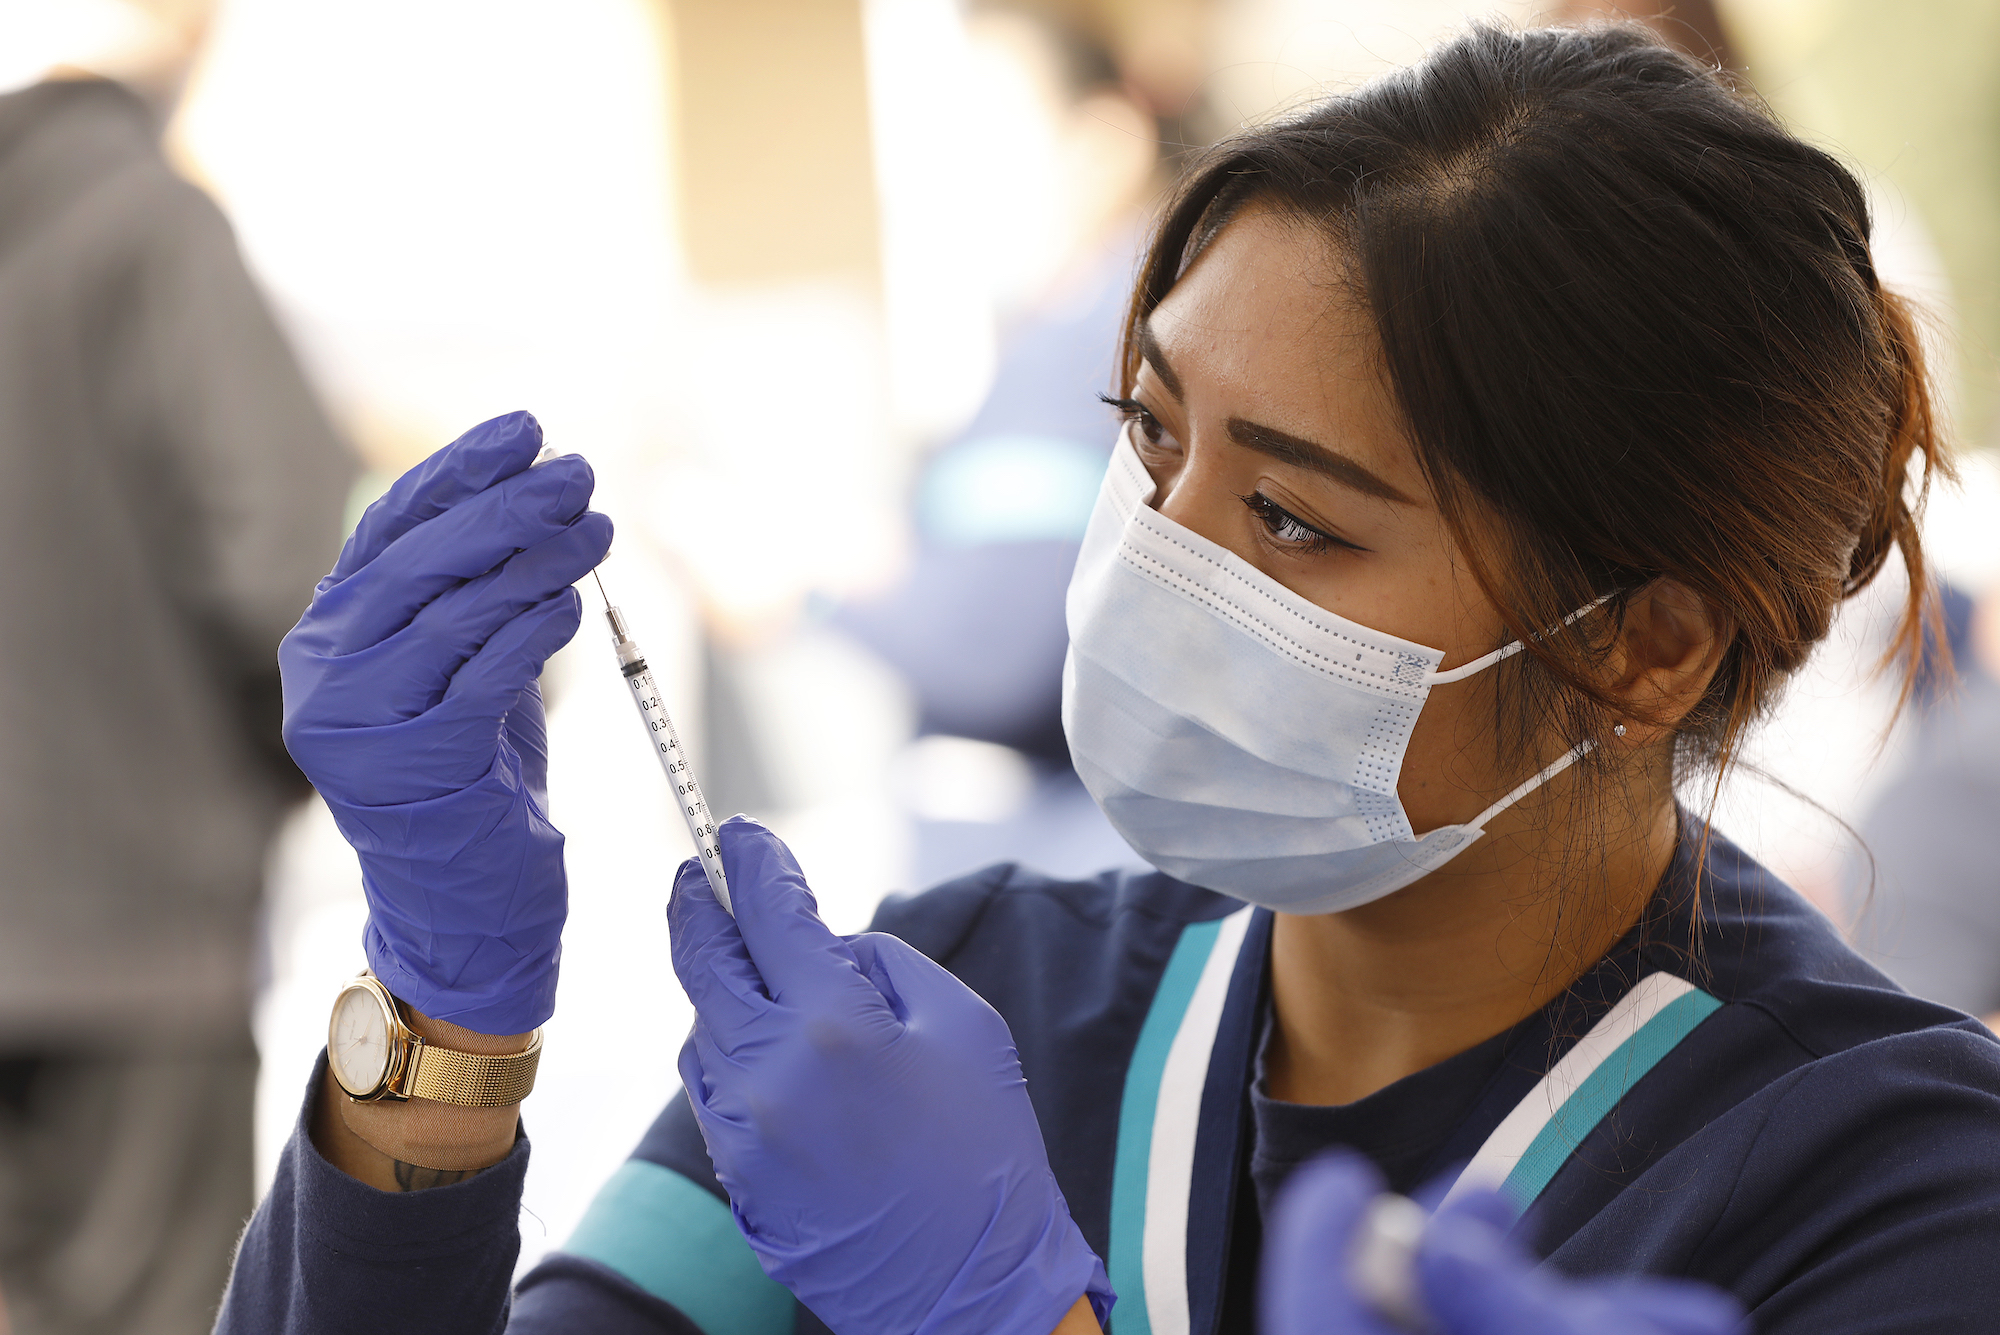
{"type": "Point", "coordinates": [1617, 730]}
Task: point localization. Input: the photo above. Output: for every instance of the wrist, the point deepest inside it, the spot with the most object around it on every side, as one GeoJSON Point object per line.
{"type": "Point", "coordinates": [1080, 1320]}
{"type": "Point", "coordinates": [402, 1145]}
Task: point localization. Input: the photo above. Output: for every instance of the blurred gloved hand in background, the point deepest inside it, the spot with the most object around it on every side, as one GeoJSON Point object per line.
{"type": "Point", "coordinates": [1471, 1277]}
{"type": "Point", "coordinates": [867, 1114]}
{"type": "Point", "coordinates": [412, 703]}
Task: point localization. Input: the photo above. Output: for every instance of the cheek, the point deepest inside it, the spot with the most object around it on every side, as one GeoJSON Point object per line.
{"type": "Point", "coordinates": [1409, 584]}
{"type": "Point", "coordinates": [1450, 773]}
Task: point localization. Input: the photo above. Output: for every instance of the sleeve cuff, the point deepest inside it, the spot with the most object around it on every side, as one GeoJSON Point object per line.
{"type": "Point", "coordinates": [401, 1228]}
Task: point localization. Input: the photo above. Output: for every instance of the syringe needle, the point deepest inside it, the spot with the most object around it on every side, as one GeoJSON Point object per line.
{"type": "Point", "coordinates": [666, 744]}
{"type": "Point", "coordinates": [600, 586]}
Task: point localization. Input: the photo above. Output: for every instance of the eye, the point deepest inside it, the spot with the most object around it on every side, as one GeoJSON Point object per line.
{"type": "Point", "coordinates": [1137, 413]}
{"type": "Point", "coordinates": [1288, 528]}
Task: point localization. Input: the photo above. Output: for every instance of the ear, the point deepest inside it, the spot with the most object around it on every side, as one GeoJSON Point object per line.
{"type": "Point", "coordinates": [1667, 651]}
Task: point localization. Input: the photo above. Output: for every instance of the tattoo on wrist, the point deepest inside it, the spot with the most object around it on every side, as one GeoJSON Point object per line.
{"type": "Point", "coordinates": [416, 1177]}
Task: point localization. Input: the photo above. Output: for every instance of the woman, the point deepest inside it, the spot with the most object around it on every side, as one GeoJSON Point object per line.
{"type": "Point", "coordinates": [1498, 437]}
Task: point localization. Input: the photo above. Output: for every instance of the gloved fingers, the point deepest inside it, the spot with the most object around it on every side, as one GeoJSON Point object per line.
{"type": "Point", "coordinates": [527, 731]}
{"type": "Point", "coordinates": [460, 620]}
{"type": "Point", "coordinates": [495, 449]}
{"type": "Point", "coordinates": [491, 681]}
{"type": "Point", "coordinates": [1304, 1285]}
{"type": "Point", "coordinates": [869, 949]}
{"type": "Point", "coordinates": [455, 742]}
{"type": "Point", "coordinates": [920, 990]}
{"type": "Point", "coordinates": [711, 960]}
{"type": "Point", "coordinates": [1489, 1205]}
{"type": "Point", "coordinates": [694, 1081]}
{"type": "Point", "coordinates": [463, 543]}
{"type": "Point", "coordinates": [408, 673]}
{"type": "Point", "coordinates": [1476, 1282]}
{"type": "Point", "coordinates": [802, 963]}
{"type": "Point", "coordinates": [697, 1055]}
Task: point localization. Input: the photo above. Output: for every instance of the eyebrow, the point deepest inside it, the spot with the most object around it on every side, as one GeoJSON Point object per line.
{"type": "Point", "coordinates": [1149, 348]}
{"type": "Point", "coordinates": [1279, 445]}
{"type": "Point", "coordinates": [1302, 453]}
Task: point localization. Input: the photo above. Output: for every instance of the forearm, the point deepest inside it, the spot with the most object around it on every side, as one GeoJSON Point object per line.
{"type": "Point", "coordinates": [418, 1143]}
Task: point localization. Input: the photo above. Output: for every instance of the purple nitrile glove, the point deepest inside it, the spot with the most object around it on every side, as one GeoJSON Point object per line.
{"type": "Point", "coordinates": [1471, 1277]}
{"type": "Point", "coordinates": [412, 703]}
{"type": "Point", "coordinates": [867, 1114]}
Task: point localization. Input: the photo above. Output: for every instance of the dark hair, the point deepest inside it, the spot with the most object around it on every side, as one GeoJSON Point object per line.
{"type": "Point", "coordinates": [1628, 315]}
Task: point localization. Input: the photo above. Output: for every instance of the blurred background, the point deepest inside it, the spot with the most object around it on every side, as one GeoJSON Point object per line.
{"type": "Point", "coordinates": [824, 290]}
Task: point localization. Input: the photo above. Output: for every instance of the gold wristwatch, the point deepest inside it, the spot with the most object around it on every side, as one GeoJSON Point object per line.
{"type": "Point", "coordinates": [374, 1055]}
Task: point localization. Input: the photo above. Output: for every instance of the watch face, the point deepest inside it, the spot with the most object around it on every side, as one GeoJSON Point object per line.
{"type": "Point", "coordinates": [357, 1042]}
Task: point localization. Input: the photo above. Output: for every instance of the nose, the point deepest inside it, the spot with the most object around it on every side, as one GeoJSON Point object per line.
{"type": "Point", "coordinates": [1199, 496]}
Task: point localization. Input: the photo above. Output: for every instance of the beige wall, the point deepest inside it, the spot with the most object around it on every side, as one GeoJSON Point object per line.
{"type": "Point", "coordinates": [776, 173]}
{"type": "Point", "coordinates": [1910, 91]}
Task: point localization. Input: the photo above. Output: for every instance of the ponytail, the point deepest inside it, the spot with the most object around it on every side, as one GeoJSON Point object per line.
{"type": "Point", "coordinates": [1919, 645]}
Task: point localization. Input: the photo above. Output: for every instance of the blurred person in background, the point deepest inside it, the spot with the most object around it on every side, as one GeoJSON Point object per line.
{"type": "Point", "coordinates": [975, 624]}
{"type": "Point", "coordinates": [171, 491]}
{"type": "Point", "coordinates": [1923, 887]}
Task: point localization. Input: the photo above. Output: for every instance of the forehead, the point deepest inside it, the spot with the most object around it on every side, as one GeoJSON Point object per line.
{"type": "Point", "coordinates": [1267, 323]}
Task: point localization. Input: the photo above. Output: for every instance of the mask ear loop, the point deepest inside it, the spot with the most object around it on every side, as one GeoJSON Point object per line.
{"type": "Point", "coordinates": [1554, 767]}
{"type": "Point", "coordinates": [1508, 650]}
{"type": "Point", "coordinates": [1549, 771]}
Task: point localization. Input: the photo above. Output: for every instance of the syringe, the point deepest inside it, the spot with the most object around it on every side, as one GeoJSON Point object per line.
{"type": "Point", "coordinates": [667, 746]}
{"type": "Point", "coordinates": [1382, 1260]}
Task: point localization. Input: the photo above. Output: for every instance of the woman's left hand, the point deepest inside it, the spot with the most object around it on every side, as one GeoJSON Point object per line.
{"type": "Point", "coordinates": [867, 1114]}
{"type": "Point", "coordinates": [412, 703]}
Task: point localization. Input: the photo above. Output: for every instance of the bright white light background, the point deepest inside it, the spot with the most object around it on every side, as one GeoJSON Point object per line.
{"type": "Point", "coordinates": [461, 209]}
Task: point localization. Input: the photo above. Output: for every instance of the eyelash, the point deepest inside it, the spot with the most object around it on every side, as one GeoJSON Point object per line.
{"type": "Point", "coordinates": [1287, 527]}
{"type": "Point", "coordinates": [1137, 413]}
{"type": "Point", "coordinates": [1282, 524]}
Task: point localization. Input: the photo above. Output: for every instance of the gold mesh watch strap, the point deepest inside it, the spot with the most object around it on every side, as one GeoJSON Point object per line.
{"type": "Point", "coordinates": [470, 1080]}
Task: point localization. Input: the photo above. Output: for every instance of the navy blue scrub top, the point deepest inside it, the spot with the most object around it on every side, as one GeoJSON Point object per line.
{"type": "Point", "coordinates": [1821, 1144]}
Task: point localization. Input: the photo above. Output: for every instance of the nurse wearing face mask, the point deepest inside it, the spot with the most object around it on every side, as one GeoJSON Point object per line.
{"type": "Point", "coordinates": [1497, 438]}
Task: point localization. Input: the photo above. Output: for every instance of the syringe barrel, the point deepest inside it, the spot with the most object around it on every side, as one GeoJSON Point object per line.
{"type": "Point", "coordinates": [667, 749]}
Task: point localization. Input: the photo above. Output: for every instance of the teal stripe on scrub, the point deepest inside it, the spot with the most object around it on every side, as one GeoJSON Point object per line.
{"type": "Point", "coordinates": [1594, 1099]}
{"type": "Point", "coordinates": [1127, 1268]}
{"type": "Point", "coordinates": [680, 1244]}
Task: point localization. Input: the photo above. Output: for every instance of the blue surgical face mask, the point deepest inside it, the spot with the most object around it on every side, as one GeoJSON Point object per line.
{"type": "Point", "coordinates": [1238, 736]}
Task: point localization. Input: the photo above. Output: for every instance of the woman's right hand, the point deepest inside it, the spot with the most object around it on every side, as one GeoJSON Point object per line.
{"type": "Point", "coordinates": [412, 703]}
{"type": "Point", "coordinates": [867, 1113]}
